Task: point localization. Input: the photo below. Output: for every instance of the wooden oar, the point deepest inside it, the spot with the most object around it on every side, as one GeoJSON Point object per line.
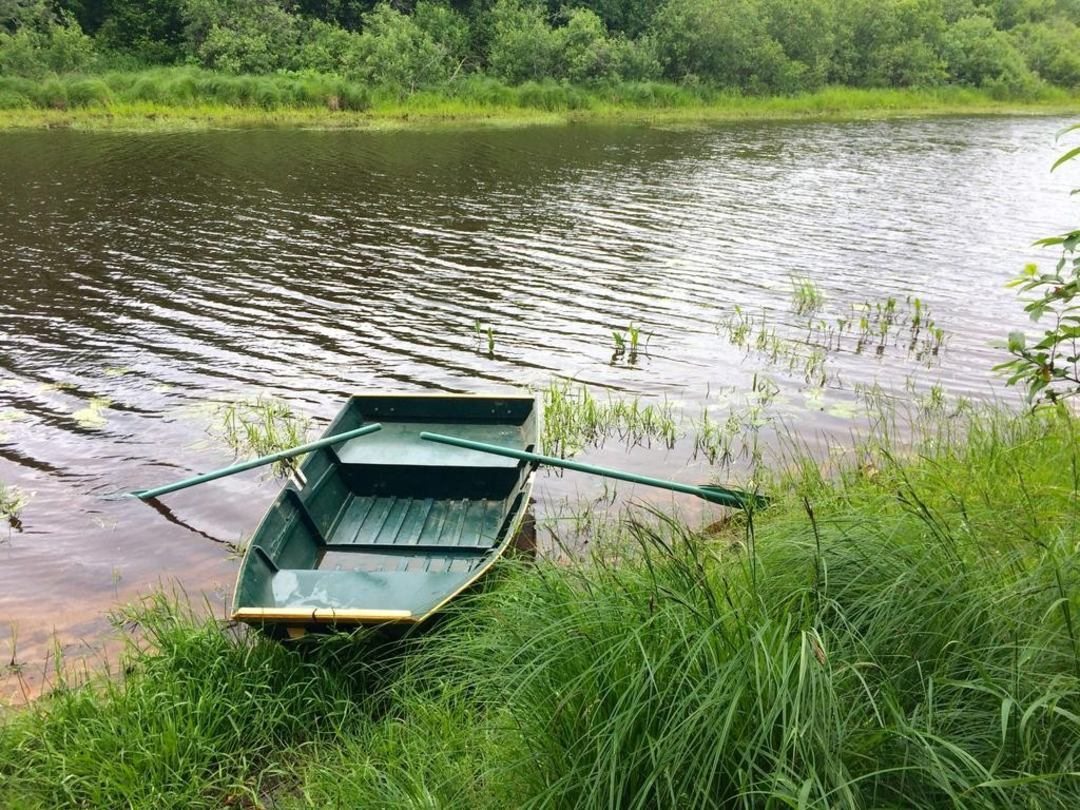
{"type": "Point", "coordinates": [147, 494]}
{"type": "Point", "coordinates": [715, 494]}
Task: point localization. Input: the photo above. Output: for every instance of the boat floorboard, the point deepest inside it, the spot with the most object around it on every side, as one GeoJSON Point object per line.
{"type": "Point", "coordinates": [402, 520]}
{"type": "Point", "coordinates": [468, 528]}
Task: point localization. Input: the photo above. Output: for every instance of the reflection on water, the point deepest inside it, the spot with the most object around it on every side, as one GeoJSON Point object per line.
{"type": "Point", "coordinates": [143, 275]}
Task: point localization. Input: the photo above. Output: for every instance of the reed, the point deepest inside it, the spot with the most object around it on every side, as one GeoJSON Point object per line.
{"type": "Point", "coordinates": [186, 97]}
{"type": "Point", "coordinates": [806, 296]}
{"type": "Point", "coordinates": [259, 427]}
{"type": "Point", "coordinates": [574, 418]}
{"type": "Point", "coordinates": [12, 502]}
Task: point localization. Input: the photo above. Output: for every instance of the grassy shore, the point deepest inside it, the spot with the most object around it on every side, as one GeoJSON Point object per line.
{"type": "Point", "coordinates": [188, 98]}
{"type": "Point", "coordinates": [899, 633]}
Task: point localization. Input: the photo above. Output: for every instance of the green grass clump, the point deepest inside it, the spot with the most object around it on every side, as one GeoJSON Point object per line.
{"type": "Point", "coordinates": [261, 426]}
{"type": "Point", "coordinates": [806, 296]}
{"type": "Point", "coordinates": [575, 418]}
{"type": "Point", "coordinates": [204, 717]}
{"type": "Point", "coordinates": [12, 501]}
{"type": "Point", "coordinates": [903, 637]}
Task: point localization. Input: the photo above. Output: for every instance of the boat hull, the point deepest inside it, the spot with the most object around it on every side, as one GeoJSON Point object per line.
{"type": "Point", "coordinates": [388, 528]}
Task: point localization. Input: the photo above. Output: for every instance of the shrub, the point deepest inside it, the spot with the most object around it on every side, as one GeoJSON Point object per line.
{"type": "Point", "coordinates": [56, 47]}
{"type": "Point", "coordinates": [978, 54]}
{"type": "Point", "coordinates": [395, 49]}
{"type": "Point", "coordinates": [325, 48]}
{"type": "Point", "coordinates": [885, 43]}
{"type": "Point", "coordinates": [725, 42]}
{"type": "Point", "coordinates": [1052, 50]}
{"type": "Point", "coordinates": [523, 45]}
{"type": "Point", "coordinates": [241, 36]}
{"type": "Point", "coordinates": [805, 30]}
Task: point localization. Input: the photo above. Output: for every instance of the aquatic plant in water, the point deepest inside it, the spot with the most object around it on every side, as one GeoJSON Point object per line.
{"type": "Point", "coordinates": [260, 426]}
{"type": "Point", "coordinates": [803, 348]}
{"type": "Point", "coordinates": [575, 418]}
{"type": "Point", "coordinates": [806, 297]}
{"type": "Point", "coordinates": [485, 333]}
{"type": "Point", "coordinates": [12, 501]}
{"type": "Point", "coordinates": [626, 343]}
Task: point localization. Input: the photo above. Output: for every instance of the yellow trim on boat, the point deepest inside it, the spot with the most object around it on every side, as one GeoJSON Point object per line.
{"type": "Point", "coordinates": [319, 615]}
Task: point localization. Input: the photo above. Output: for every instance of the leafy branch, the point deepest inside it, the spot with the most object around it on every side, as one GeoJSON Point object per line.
{"type": "Point", "coordinates": [1050, 368]}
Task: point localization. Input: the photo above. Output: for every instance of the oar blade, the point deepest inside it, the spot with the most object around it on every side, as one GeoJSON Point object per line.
{"type": "Point", "coordinates": [732, 497]}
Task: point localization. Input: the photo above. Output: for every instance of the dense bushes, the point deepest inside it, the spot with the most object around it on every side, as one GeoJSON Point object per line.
{"type": "Point", "coordinates": [758, 46]}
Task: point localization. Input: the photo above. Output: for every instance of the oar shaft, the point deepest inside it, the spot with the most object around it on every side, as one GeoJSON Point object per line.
{"type": "Point", "coordinates": [147, 494]}
{"type": "Point", "coordinates": [715, 494]}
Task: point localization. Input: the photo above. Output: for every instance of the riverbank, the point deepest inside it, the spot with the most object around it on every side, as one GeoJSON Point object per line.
{"type": "Point", "coordinates": [188, 98]}
{"type": "Point", "coordinates": [899, 629]}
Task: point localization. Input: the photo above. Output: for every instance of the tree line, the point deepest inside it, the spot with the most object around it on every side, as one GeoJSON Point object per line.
{"type": "Point", "coordinates": [753, 46]}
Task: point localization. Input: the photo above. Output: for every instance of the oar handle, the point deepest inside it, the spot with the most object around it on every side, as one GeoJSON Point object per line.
{"type": "Point", "coordinates": [721, 495]}
{"type": "Point", "coordinates": [147, 494]}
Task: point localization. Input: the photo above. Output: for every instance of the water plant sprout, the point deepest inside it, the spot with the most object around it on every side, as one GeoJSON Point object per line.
{"type": "Point", "coordinates": [261, 426]}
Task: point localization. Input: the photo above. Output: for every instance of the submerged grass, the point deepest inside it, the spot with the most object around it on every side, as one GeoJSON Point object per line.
{"type": "Point", "coordinates": [182, 97]}
{"type": "Point", "coordinates": [899, 633]}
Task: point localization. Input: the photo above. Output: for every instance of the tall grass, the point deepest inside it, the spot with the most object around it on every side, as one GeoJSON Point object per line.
{"type": "Point", "coordinates": [189, 93]}
{"type": "Point", "coordinates": [901, 632]}
{"type": "Point", "coordinates": [906, 639]}
{"type": "Point", "coordinates": [198, 715]}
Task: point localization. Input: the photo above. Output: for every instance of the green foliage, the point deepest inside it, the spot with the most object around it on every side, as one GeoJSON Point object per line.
{"type": "Point", "coordinates": [203, 717]}
{"type": "Point", "coordinates": [408, 51]}
{"type": "Point", "coordinates": [1008, 47]}
{"type": "Point", "coordinates": [150, 30]}
{"type": "Point", "coordinates": [900, 639]}
{"type": "Point", "coordinates": [241, 36]}
{"type": "Point", "coordinates": [722, 41]}
{"type": "Point", "coordinates": [523, 45]}
{"type": "Point", "coordinates": [978, 54]}
{"type": "Point", "coordinates": [891, 43]}
{"type": "Point", "coordinates": [1050, 368]}
{"type": "Point", "coordinates": [46, 46]}
{"type": "Point", "coordinates": [1052, 50]}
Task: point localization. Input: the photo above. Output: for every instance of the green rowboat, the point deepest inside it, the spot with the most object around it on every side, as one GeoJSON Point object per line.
{"type": "Point", "coordinates": [388, 527]}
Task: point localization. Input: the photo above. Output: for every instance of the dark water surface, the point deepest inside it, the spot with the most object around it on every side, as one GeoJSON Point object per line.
{"type": "Point", "coordinates": [161, 272]}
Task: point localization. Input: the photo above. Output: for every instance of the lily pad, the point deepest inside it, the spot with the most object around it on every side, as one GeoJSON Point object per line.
{"type": "Point", "coordinates": [118, 371]}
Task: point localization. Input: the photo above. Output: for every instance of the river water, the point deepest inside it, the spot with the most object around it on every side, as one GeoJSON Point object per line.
{"type": "Point", "coordinates": [145, 276]}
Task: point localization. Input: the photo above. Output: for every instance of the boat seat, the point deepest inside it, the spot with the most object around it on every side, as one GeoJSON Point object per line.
{"type": "Point", "coordinates": [413, 591]}
{"type": "Point", "coordinates": [399, 444]}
